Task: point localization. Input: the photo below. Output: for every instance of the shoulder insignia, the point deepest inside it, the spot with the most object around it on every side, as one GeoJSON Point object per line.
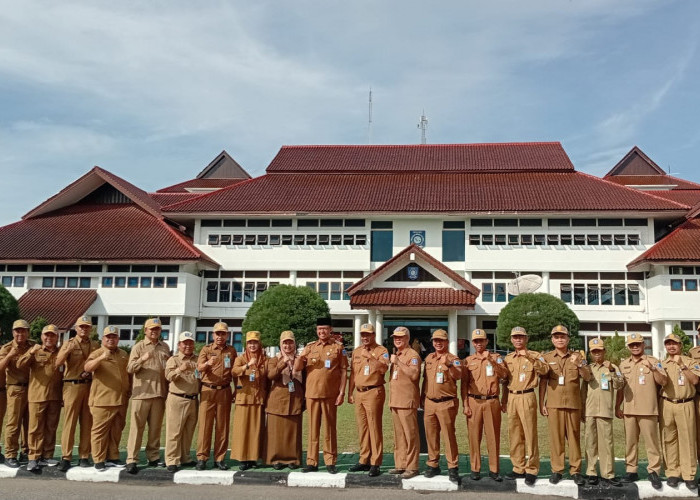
{"type": "Point", "coordinates": [414, 361]}
{"type": "Point", "coordinates": [457, 363]}
{"type": "Point", "coordinates": [618, 373]}
{"type": "Point", "coordinates": [659, 366]}
{"type": "Point", "coordinates": [697, 367]}
{"type": "Point", "coordinates": [541, 359]}
{"type": "Point", "coordinates": [345, 353]}
{"type": "Point", "coordinates": [386, 355]}
{"type": "Point", "coordinates": [499, 360]}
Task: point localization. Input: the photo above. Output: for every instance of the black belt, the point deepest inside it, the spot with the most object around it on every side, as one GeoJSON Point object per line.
{"type": "Point", "coordinates": [678, 401]}
{"type": "Point", "coordinates": [217, 387]}
{"type": "Point", "coordinates": [442, 400]}
{"type": "Point", "coordinates": [186, 396]}
{"type": "Point", "coordinates": [23, 384]}
{"type": "Point", "coordinates": [3, 389]}
{"type": "Point", "coordinates": [478, 396]}
{"type": "Point", "coordinates": [521, 392]}
{"type": "Point", "coordinates": [368, 388]}
{"type": "Point", "coordinates": [81, 381]}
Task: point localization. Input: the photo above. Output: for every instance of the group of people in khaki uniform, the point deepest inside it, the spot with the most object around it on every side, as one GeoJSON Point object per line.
{"type": "Point", "coordinates": [94, 383]}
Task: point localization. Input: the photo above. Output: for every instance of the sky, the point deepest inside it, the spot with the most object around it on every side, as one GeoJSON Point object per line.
{"type": "Point", "coordinates": [153, 91]}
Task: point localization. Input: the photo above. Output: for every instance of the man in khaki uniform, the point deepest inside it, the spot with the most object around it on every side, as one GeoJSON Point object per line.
{"type": "Point", "coordinates": [17, 383]}
{"type": "Point", "coordinates": [181, 405]}
{"type": "Point", "coordinates": [214, 364]}
{"type": "Point", "coordinates": [560, 401]}
{"type": "Point", "coordinates": [481, 383]}
{"type": "Point", "coordinates": [404, 399]}
{"type": "Point", "coordinates": [147, 366]}
{"type": "Point", "coordinates": [109, 392]}
{"type": "Point", "coordinates": [677, 414]}
{"type": "Point", "coordinates": [598, 394]}
{"type": "Point", "coordinates": [439, 396]}
{"type": "Point", "coordinates": [520, 402]}
{"type": "Point", "coordinates": [694, 353]}
{"type": "Point", "coordinates": [643, 375]}
{"type": "Point", "coordinates": [370, 362]}
{"type": "Point", "coordinates": [44, 397]}
{"type": "Point", "coordinates": [76, 391]}
{"type": "Point", "coordinates": [325, 363]}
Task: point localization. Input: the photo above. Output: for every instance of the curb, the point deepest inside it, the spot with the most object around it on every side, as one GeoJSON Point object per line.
{"type": "Point", "coordinates": [565, 488]}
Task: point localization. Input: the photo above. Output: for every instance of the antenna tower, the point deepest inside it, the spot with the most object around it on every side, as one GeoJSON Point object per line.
{"type": "Point", "coordinates": [369, 127]}
{"type": "Point", "coordinates": [423, 125]}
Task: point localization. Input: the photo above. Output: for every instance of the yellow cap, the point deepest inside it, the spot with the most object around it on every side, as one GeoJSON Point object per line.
{"type": "Point", "coordinates": [84, 320]}
{"type": "Point", "coordinates": [633, 338]}
{"type": "Point", "coordinates": [596, 344]}
{"type": "Point", "coordinates": [478, 334]}
{"type": "Point", "coordinates": [110, 330]}
{"type": "Point", "coordinates": [20, 323]}
{"type": "Point", "coordinates": [252, 335]}
{"type": "Point", "coordinates": [401, 331]}
{"type": "Point", "coordinates": [518, 330]}
{"type": "Point", "coordinates": [50, 329]}
{"type": "Point", "coordinates": [439, 334]}
{"type": "Point", "coordinates": [185, 336]}
{"type": "Point", "coordinates": [672, 337]}
{"type": "Point", "coordinates": [560, 329]}
{"type": "Point", "coordinates": [287, 335]}
{"type": "Point", "coordinates": [367, 328]}
{"type": "Point", "coordinates": [152, 323]}
{"type": "Point", "coordinates": [220, 327]}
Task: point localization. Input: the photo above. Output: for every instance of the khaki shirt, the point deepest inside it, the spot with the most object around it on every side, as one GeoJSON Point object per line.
{"type": "Point", "coordinates": [673, 388]}
{"type": "Point", "coordinates": [369, 366]}
{"type": "Point", "coordinates": [44, 378]}
{"type": "Point", "coordinates": [476, 380]}
{"type": "Point", "coordinates": [13, 374]}
{"type": "Point", "coordinates": [78, 353]}
{"type": "Point", "coordinates": [280, 401]}
{"type": "Point", "coordinates": [524, 371]}
{"type": "Point", "coordinates": [601, 402]}
{"type": "Point", "coordinates": [110, 380]}
{"type": "Point", "coordinates": [640, 399]}
{"type": "Point", "coordinates": [251, 381]}
{"type": "Point", "coordinates": [219, 373]}
{"type": "Point", "coordinates": [149, 375]}
{"type": "Point", "coordinates": [324, 364]}
{"type": "Point", "coordinates": [182, 382]}
{"type": "Point", "coordinates": [448, 388]}
{"type": "Point", "coordinates": [404, 376]}
{"type": "Point", "coordinates": [567, 395]}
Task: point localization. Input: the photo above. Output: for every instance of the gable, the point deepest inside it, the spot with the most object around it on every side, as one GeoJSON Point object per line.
{"type": "Point", "coordinates": [223, 167]}
{"type": "Point", "coordinates": [636, 163]}
{"type": "Point", "coordinates": [412, 272]}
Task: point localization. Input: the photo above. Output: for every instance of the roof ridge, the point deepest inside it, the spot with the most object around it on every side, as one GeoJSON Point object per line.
{"type": "Point", "coordinates": [218, 191]}
{"type": "Point", "coordinates": [393, 146]}
{"type": "Point", "coordinates": [637, 191]}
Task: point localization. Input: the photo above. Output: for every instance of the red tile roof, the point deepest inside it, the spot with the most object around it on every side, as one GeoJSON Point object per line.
{"type": "Point", "coordinates": [681, 245]}
{"type": "Point", "coordinates": [503, 157]}
{"type": "Point", "coordinates": [652, 180]}
{"type": "Point", "coordinates": [96, 232]}
{"type": "Point", "coordinates": [199, 184]}
{"type": "Point", "coordinates": [165, 199]}
{"type": "Point", "coordinates": [424, 193]}
{"type": "Point", "coordinates": [689, 197]}
{"type": "Point", "coordinates": [412, 297]}
{"type": "Point", "coordinates": [61, 307]}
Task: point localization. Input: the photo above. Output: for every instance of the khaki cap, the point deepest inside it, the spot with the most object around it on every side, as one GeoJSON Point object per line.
{"type": "Point", "coordinates": [252, 335]}
{"type": "Point", "coordinates": [220, 327]}
{"type": "Point", "coordinates": [634, 338]}
{"type": "Point", "coordinates": [185, 336]}
{"type": "Point", "coordinates": [518, 330]}
{"type": "Point", "coordinates": [84, 320]}
{"type": "Point", "coordinates": [560, 329]}
{"type": "Point", "coordinates": [401, 331]}
{"type": "Point", "coordinates": [596, 344]}
{"type": "Point", "coordinates": [110, 330]}
{"type": "Point", "coordinates": [672, 337]}
{"type": "Point", "coordinates": [478, 334]}
{"type": "Point", "coordinates": [367, 328]}
{"type": "Point", "coordinates": [287, 335]}
{"type": "Point", "coordinates": [50, 329]}
{"type": "Point", "coordinates": [439, 334]}
{"type": "Point", "coordinates": [153, 323]}
{"type": "Point", "coordinates": [20, 323]}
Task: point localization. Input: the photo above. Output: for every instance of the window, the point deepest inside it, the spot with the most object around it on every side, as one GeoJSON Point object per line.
{"type": "Point", "coordinates": [579, 294]}
{"type": "Point", "coordinates": [487, 239]}
{"type": "Point", "coordinates": [171, 282]}
{"type": "Point", "coordinates": [335, 290]}
{"type": "Point", "coordinates": [606, 294]}
{"type": "Point", "coordinates": [348, 239]}
{"type": "Point", "coordinates": [593, 239]}
{"type": "Point", "coordinates": [7, 281]}
{"type": "Point", "coordinates": [579, 239]}
{"type": "Point", "coordinates": [47, 282]}
{"type": "Point", "coordinates": [691, 285]}
{"type": "Point", "coordinates": [132, 282]}
{"type": "Point", "coordinates": [237, 239]}
{"type": "Point", "coordinates": [249, 239]}
{"type": "Point", "coordinates": [311, 239]}
{"type": "Point", "coordinates": [593, 295]}
{"type": "Point", "coordinates": [676, 285]}
{"type": "Point", "coordinates": [281, 222]}
{"type": "Point", "coordinates": [275, 239]}
{"type": "Point", "coordinates": [606, 239]}
{"type": "Point", "coordinates": [337, 239]}
{"type": "Point", "coordinates": [620, 239]}
{"type": "Point", "coordinates": [633, 239]}
{"type": "Point", "coordinates": [158, 282]}
{"type": "Point", "coordinates": [474, 239]}
{"type": "Point", "coordinates": [260, 288]}
{"type": "Point", "coordinates": [225, 239]}
{"type": "Point", "coordinates": [487, 292]}
{"type": "Point", "coordinates": [84, 282]}
{"type": "Point", "coordinates": [299, 239]}
{"type": "Point", "coordinates": [539, 239]}
{"type": "Point", "coordinates": [213, 239]}
{"type": "Point", "coordinates": [453, 245]}
{"type": "Point", "coordinates": [19, 281]}
{"type": "Point", "coordinates": [566, 239]}
{"type": "Point", "coordinates": [514, 239]}
{"type": "Point", "coordinates": [360, 239]}
{"type": "Point", "coordinates": [146, 282]}
{"type": "Point", "coordinates": [500, 239]}
{"type": "Point", "coordinates": [248, 291]}
{"type": "Point", "coordinates": [565, 292]}
{"type": "Point", "coordinates": [311, 285]}
{"type": "Point", "coordinates": [633, 295]}
{"type": "Point", "coordinates": [107, 282]}
{"type": "Point", "coordinates": [500, 292]}
{"type": "Point", "coordinates": [346, 285]}
{"type": "Point", "coordinates": [620, 295]}
{"type": "Point", "coordinates": [236, 291]}
{"type": "Point", "coordinates": [73, 282]}
{"type": "Point", "coordinates": [225, 291]}
{"type": "Point", "coordinates": [307, 223]}
{"type": "Point", "coordinates": [526, 239]}
{"type": "Point", "coordinates": [61, 282]}
{"type": "Point", "coordinates": [323, 290]}
{"type": "Point", "coordinates": [552, 239]}
{"type": "Point", "coordinates": [382, 244]}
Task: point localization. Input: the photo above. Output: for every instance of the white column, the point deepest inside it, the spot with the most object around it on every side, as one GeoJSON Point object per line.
{"type": "Point", "coordinates": [452, 330]}
{"type": "Point", "coordinates": [175, 329]}
{"type": "Point", "coordinates": [101, 324]}
{"type": "Point", "coordinates": [379, 327]}
{"type": "Point", "coordinates": [472, 326]}
{"type": "Point", "coordinates": [358, 325]}
{"type": "Point", "coordinates": [657, 338]}
{"type": "Point", "coordinates": [293, 278]}
{"type": "Point", "coordinates": [545, 282]}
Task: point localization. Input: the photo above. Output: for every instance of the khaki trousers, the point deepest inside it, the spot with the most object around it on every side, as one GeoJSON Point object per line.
{"type": "Point", "coordinates": [115, 433]}
{"type": "Point", "coordinates": [43, 422]}
{"type": "Point", "coordinates": [284, 436]}
{"type": "Point", "coordinates": [322, 410]}
{"type": "Point", "coordinates": [486, 417]}
{"type": "Point", "coordinates": [565, 428]}
{"type": "Point", "coordinates": [522, 431]}
{"type": "Point", "coordinates": [697, 423]}
{"type": "Point", "coordinates": [76, 410]}
{"type": "Point", "coordinates": [440, 420]}
{"type": "Point", "coordinates": [648, 425]}
{"type": "Point", "coordinates": [214, 417]}
{"type": "Point", "coordinates": [105, 421]}
{"type": "Point", "coordinates": [599, 446]}
{"type": "Point", "coordinates": [145, 411]}
{"type": "Point", "coordinates": [678, 431]}
{"type": "Point", "coordinates": [406, 438]}
{"type": "Point", "coordinates": [369, 406]}
{"type": "Point", "coordinates": [180, 421]}
{"type": "Point", "coordinates": [17, 420]}
{"type": "Point", "coordinates": [248, 433]}
{"type": "Point", "coordinates": [3, 408]}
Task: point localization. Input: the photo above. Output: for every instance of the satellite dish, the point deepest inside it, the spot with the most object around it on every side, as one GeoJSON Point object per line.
{"type": "Point", "coordinates": [527, 283]}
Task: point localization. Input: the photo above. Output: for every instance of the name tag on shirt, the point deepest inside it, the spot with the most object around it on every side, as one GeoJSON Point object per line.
{"type": "Point", "coordinates": [440, 378]}
{"type": "Point", "coordinates": [290, 385]}
{"type": "Point", "coordinates": [327, 363]}
{"type": "Point", "coordinates": [489, 370]}
{"type": "Point", "coordinates": [366, 370]}
{"type": "Point", "coordinates": [521, 378]}
{"type": "Point", "coordinates": [642, 380]}
{"type": "Point", "coordinates": [681, 380]}
{"type": "Point", "coordinates": [604, 384]}
{"type": "Point", "coordinates": [227, 362]}
{"type": "Point", "coordinates": [251, 377]}
{"type": "Point", "coordinates": [561, 379]}
{"type": "Point", "coordinates": [395, 375]}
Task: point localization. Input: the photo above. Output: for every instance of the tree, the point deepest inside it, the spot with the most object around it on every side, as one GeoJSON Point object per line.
{"type": "Point", "coordinates": [538, 313]}
{"type": "Point", "coordinates": [285, 307]}
{"type": "Point", "coordinates": [686, 343]}
{"type": "Point", "coordinates": [35, 328]}
{"type": "Point", "coordinates": [616, 349]}
{"type": "Point", "coordinates": [9, 312]}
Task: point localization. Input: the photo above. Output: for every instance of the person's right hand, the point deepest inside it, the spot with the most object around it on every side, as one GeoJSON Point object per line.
{"type": "Point", "coordinates": [618, 413]}
{"type": "Point", "coordinates": [543, 411]}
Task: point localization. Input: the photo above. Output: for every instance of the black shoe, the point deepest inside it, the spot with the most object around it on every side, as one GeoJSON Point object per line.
{"type": "Point", "coordinates": [331, 469]}
{"type": "Point", "coordinates": [673, 481]}
{"type": "Point", "coordinates": [579, 480]}
{"type": "Point", "coordinates": [495, 476]}
{"type": "Point", "coordinates": [691, 484]}
{"type": "Point", "coordinates": [173, 468]}
{"type": "Point", "coordinates": [278, 466]}
{"type": "Point", "coordinates": [201, 465]}
{"type": "Point", "coordinates": [154, 463]}
{"type": "Point", "coordinates": [593, 480]}
{"type": "Point", "coordinates": [12, 462]}
{"type": "Point", "coordinates": [244, 466]}
{"type": "Point", "coordinates": [655, 480]}
{"type": "Point", "coordinates": [131, 468]}
{"type": "Point", "coordinates": [358, 467]}
{"type": "Point", "coordinates": [432, 472]}
{"type": "Point", "coordinates": [613, 481]}
{"type": "Point", "coordinates": [475, 475]}
{"type": "Point", "coordinates": [189, 464]}
{"type": "Point", "coordinates": [453, 475]}
{"type": "Point", "coordinates": [100, 466]}
{"type": "Point", "coordinates": [630, 477]}
{"type": "Point", "coordinates": [64, 465]}
{"type": "Point", "coordinates": [530, 479]}
{"type": "Point", "coordinates": [374, 471]}
{"type": "Point", "coordinates": [512, 476]}
{"type": "Point", "coordinates": [2, 458]}
{"type": "Point", "coordinates": [23, 457]}
{"type": "Point", "coordinates": [555, 477]}
{"type": "Point", "coordinates": [222, 465]}
{"type": "Point", "coordinates": [83, 462]}
{"type": "Point", "coordinates": [293, 466]}
{"type": "Point", "coordinates": [310, 468]}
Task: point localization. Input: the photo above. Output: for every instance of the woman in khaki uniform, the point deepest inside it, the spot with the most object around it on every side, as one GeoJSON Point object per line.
{"type": "Point", "coordinates": [250, 372]}
{"type": "Point", "coordinates": [285, 405]}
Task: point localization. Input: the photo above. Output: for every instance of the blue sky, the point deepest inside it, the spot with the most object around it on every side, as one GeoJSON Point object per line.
{"type": "Point", "coordinates": [152, 91]}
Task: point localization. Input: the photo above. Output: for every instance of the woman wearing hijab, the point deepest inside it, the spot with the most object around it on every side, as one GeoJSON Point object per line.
{"type": "Point", "coordinates": [284, 407]}
{"type": "Point", "coordinates": [250, 373]}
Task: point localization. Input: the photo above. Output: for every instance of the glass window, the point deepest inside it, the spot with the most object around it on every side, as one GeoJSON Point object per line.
{"type": "Point", "coordinates": [552, 239]}
{"type": "Point", "coordinates": [248, 291]}
{"type": "Point", "coordinates": [579, 294]}
{"type": "Point", "coordinates": [275, 239]}
{"type": "Point", "coordinates": [593, 295]}
{"type": "Point", "coordinates": [158, 282]}
{"type": "Point", "coordinates": [360, 239]}
{"type": "Point", "coordinates": [382, 244]}
{"type": "Point", "coordinates": [286, 239]}
{"type": "Point", "coordinates": [236, 291]}
{"type": "Point", "coordinates": [514, 239]}
{"type": "Point", "coordinates": [281, 222]}
{"type": "Point", "coordinates": [171, 282]}
{"type": "Point", "coordinates": [620, 239]}
{"type": "Point", "coordinates": [299, 239]}
{"type": "Point", "coordinates": [124, 334]}
{"type": "Point", "coordinates": [336, 239]}
{"type": "Point", "coordinates": [311, 284]}
{"type": "Point", "coordinates": [579, 239]}
{"type": "Point", "coordinates": [676, 285]}
{"type": "Point", "coordinates": [47, 282]}
{"type": "Point", "coordinates": [324, 239]}
{"type": "Point", "coordinates": [346, 285]}
{"type": "Point", "coordinates": [348, 239]}
{"type": "Point", "coordinates": [633, 295]}
{"type": "Point", "coordinates": [539, 239]}
{"type": "Point", "coordinates": [566, 239]}
{"type": "Point", "coordinates": [213, 239]}
{"type": "Point", "coordinates": [311, 239]}
{"type": "Point", "coordinates": [335, 290]}
{"type": "Point", "coordinates": [323, 290]}
{"type": "Point", "coordinates": [61, 282]}
{"type": "Point", "coordinates": [633, 239]}
{"type": "Point", "coordinates": [212, 291]}
{"type": "Point", "coordinates": [249, 239]}
{"type": "Point", "coordinates": [500, 292]}
{"type": "Point", "coordinates": [475, 239]}
{"type": "Point", "coordinates": [453, 246]}
{"type": "Point", "coordinates": [237, 239]}
{"type": "Point", "coordinates": [691, 285]}
{"type": "Point", "coordinates": [73, 282]}
{"type": "Point", "coordinates": [225, 291]}
{"type": "Point", "coordinates": [620, 295]}
{"type": "Point", "coordinates": [7, 281]}
{"type": "Point", "coordinates": [260, 288]}
{"type": "Point", "coordinates": [606, 239]}
{"type": "Point", "coordinates": [606, 294]}
{"type": "Point", "coordinates": [146, 281]}
{"type": "Point", "coordinates": [487, 292]}
{"type": "Point", "coordinates": [19, 281]}
{"type": "Point", "coordinates": [487, 239]}
{"type": "Point", "coordinates": [200, 336]}
{"type": "Point", "coordinates": [133, 282]}
{"type": "Point", "coordinates": [593, 239]}
{"type": "Point", "coordinates": [565, 292]}
{"type": "Point", "coordinates": [526, 239]}
{"type": "Point", "coordinates": [500, 239]}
